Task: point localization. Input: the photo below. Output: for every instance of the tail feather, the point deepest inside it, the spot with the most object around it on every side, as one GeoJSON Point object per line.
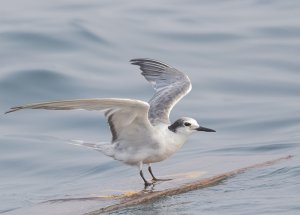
{"type": "Point", "coordinates": [104, 147]}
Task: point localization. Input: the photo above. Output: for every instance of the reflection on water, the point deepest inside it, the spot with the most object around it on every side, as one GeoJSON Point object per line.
{"type": "Point", "coordinates": [243, 60]}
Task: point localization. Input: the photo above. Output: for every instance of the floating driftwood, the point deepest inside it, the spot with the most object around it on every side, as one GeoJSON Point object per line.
{"type": "Point", "coordinates": [143, 197]}
{"type": "Point", "coordinates": [217, 170]}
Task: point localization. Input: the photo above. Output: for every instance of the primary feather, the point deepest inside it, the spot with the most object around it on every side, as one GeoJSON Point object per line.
{"type": "Point", "coordinates": [123, 111]}
{"type": "Point", "coordinates": [170, 86]}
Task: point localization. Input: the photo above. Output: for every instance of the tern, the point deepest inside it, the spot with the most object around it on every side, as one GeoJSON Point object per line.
{"type": "Point", "coordinates": [141, 131]}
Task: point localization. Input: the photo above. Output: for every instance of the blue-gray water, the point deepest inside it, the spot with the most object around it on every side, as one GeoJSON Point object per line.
{"type": "Point", "coordinates": [243, 60]}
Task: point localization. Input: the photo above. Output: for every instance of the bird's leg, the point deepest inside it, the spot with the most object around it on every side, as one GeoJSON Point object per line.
{"type": "Point", "coordinates": [142, 175]}
{"type": "Point", "coordinates": [150, 170]}
{"type": "Point", "coordinates": [145, 181]}
{"type": "Point", "coordinates": [153, 177]}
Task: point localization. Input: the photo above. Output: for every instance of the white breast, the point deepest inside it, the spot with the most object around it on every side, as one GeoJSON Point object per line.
{"type": "Point", "coordinates": [167, 142]}
{"type": "Point", "coordinates": [156, 145]}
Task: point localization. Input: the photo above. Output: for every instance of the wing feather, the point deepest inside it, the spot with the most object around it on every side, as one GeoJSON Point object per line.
{"type": "Point", "coordinates": [121, 114]}
{"type": "Point", "coordinates": [170, 86]}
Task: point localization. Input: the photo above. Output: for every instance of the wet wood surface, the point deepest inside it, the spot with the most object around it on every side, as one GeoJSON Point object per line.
{"type": "Point", "coordinates": [131, 194]}
{"type": "Point", "coordinates": [143, 197]}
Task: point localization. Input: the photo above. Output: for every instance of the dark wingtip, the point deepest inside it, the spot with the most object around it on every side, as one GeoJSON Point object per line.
{"type": "Point", "coordinates": [13, 109]}
{"type": "Point", "coordinates": [140, 61]}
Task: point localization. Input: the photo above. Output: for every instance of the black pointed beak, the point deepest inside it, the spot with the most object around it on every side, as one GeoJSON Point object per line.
{"type": "Point", "coordinates": [200, 128]}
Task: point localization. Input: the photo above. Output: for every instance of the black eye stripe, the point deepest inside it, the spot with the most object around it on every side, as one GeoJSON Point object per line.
{"type": "Point", "coordinates": [187, 124]}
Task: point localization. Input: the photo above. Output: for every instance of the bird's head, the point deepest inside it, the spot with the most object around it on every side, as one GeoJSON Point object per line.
{"type": "Point", "coordinates": [187, 126]}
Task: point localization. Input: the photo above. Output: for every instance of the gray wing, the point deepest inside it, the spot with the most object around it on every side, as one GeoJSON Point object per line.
{"type": "Point", "coordinates": [170, 86]}
{"type": "Point", "coordinates": [121, 114]}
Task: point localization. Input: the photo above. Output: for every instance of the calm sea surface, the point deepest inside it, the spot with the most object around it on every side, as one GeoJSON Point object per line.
{"type": "Point", "coordinates": [243, 58]}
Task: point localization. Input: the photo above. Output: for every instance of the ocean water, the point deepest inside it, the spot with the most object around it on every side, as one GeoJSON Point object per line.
{"type": "Point", "coordinates": [242, 58]}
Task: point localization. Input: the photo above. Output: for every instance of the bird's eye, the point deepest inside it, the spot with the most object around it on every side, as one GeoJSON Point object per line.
{"type": "Point", "coordinates": [187, 124]}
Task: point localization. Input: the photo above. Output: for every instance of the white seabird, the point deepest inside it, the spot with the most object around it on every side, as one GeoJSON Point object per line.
{"type": "Point", "coordinates": [141, 131]}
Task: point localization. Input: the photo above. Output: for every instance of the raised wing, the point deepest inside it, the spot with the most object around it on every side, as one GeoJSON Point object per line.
{"type": "Point", "coordinates": [170, 86]}
{"type": "Point", "coordinates": [121, 114]}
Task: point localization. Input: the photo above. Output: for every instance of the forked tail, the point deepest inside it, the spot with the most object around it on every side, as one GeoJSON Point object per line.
{"type": "Point", "coordinates": [104, 147]}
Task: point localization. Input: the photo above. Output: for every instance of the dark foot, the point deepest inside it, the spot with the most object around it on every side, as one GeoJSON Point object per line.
{"type": "Point", "coordinates": [161, 179]}
{"type": "Point", "coordinates": [156, 179]}
{"type": "Point", "coordinates": [147, 183]}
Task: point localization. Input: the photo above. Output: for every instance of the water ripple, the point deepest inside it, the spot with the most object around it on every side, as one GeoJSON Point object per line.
{"type": "Point", "coordinates": [89, 35]}
{"type": "Point", "coordinates": [195, 37]}
{"type": "Point", "coordinates": [282, 147]}
{"type": "Point", "coordinates": [37, 40]}
{"type": "Point", "coordinates": [39, 83]}
{"type": "Point", "coordinates": [291, 32]}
